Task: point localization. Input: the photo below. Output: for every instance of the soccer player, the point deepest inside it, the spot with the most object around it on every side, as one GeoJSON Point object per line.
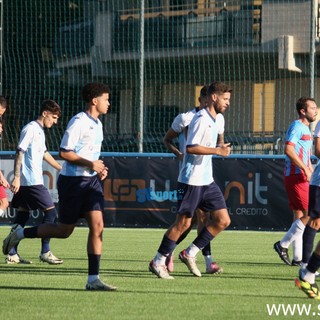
{"type": "Point", "coordinates": [197, 186]}
{"type": "Point", "coordinates": [4, 203]}
{"type": "Point", "coordinates": [79, 183]}
{"type": "Point", "coordinates": [178, 130]}
{"type": "Point", "coordinates": [27, 185]}
{"type": "Point", "coordinates": [297, 175]}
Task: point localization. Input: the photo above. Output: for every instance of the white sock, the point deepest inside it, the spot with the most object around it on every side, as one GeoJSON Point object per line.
{"type": "Point", "coordinates": [1, 213]}
{"type": "Point", "coordinates": [308, 276]}
{"type": "Point", "coordinates": [208, 260]}
{"type": "Point", "coordinates": [93, 277]}
{"type": "Point", "coordinates": [297, 248]}
{"type": "Point", "coordinates": [293, 233]}
{"type": "Point", "coordinates": [192, 250]}
{"type": "Point", "coordinates": [159, 259]}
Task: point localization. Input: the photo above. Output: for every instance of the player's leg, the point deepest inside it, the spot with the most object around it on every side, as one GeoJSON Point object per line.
{"type": "Point", "coordinates": [306, 280]}
{"type": "Point", "coordinates": [4, 203]}
{"type": "Point", "coordinates": [49, 217]}
{"type": "Point", "coordinates": [211, 266]}
{"type": "Point", "coordinates": [169, 242]}
{"type": "Point", "coordinates": [20, 220]}
{"type": "Point", "coordinates": [298, 194]}
{"type": "Point", "coordinates": [170, 258]}
{"type": "Point", "coordinates": [92, 206]}
{"type": "Point", "coordinates": [186, 208]}
{"type": "Point", "coordinates": [213, 201]}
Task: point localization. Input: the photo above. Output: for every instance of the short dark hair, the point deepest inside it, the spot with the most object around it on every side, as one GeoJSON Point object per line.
{"type": "Point", "coordinates": [218, 88]}
{"type": "Point", "coordinates": [3, 102]}
{"type": "Point", "coordinates": [302, 103]}
{"type": "Point", "coordinates": [93, 90]}
{"type": "Point", "coordinates": [51, 106]}
{"type": "Point", "coordinates": [204, 91]}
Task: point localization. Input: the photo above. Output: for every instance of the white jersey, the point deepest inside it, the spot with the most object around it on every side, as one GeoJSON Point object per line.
{"type": "Point", "coordinates": [315, 178]}
{"type": "Point", "coordinates": [180, 122]}
{"type": "Point", "coordinates": [183, 120]}
{"type": "Point", "coordinates": [32, 143]}
{"type": "Point", "coordinates": [83, 136]}
{"type": "Point", "coordinates": [197, 169]}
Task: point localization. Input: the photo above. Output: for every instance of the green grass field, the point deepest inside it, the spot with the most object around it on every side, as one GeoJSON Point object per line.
{"type": "Point", "coordinates": [253, 278]}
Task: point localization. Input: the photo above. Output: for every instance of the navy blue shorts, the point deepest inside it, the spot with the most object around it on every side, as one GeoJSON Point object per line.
{"type": "Point", "coordinates": [77, 196]}
{"type": "Point", "coordinates": [32, 198]}
{"type": "Point", "coordinates": [207, 198]}
{"type": "Point", "coordinates": [314, 201]}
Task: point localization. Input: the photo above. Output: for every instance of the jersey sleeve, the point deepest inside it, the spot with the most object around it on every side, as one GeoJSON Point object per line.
{"type": "Point", "coordinates": [181, 121]}
{"type": "Point", "coordinates": [293, 135]}
{"type": "Point", "coordinates": [71, 136]}
{"type": "Point", "coordinates": [26, 137]}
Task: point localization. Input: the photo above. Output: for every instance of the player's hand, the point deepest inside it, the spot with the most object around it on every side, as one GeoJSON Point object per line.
{"type": "Point", "coordinates": [102, 175]}
{"type": "Point", "coordinates": [308, 174]}
{"type": "Point", "coordinates": [15, 185]}
{"type": "Point", "coordinates": [3, 181]}
{"type": "Point", "coordinates": [98, 166]}
{"type": "Point", "coordinates": [225, 150]}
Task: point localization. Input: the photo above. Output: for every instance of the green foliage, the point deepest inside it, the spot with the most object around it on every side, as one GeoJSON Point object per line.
{"type": "Point", "coordinates": [253, 277]}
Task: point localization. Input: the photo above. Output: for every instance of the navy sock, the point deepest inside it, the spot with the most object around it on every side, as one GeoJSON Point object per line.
{"type": "Point", "coordinates": [183, 236]}
{"type": "Point", "coordinates": [49, 217]}
{"type": "Point", "coordinates": [307, 241]}
{"type": "Point", "coordinates": [203, 238]}
{"type": "Point", "coordinates": [167, 246]}
{"type": "Point", "coordinates": [93, 264]}
{"type": "Point", "coordinates": [206, 251]}
{"type": "Point", "coordinates": [314, 263]}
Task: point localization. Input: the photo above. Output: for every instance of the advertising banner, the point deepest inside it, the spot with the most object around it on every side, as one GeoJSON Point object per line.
{"type": "Point", "coordinates": [141, 191]}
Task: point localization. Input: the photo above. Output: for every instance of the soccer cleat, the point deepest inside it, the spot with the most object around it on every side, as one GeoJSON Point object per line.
{"type": "Point", "coordinates": [16, 259]}
{"type": "Point", "coordinates": [296, 263]}
{"type": "Point", "coordinates": [169, 263]}
{"type": "Point", "coordinates": [190, 262]}
{"type": "Point", "coordinates": [214, 269]}
{"type": "Point", "coordinates": [99, 285]}
{"type": "Point", "coordinates": [160, 271]}
{"type": "Point", "coordinates": [282, 252]}
{"type": "Point", "coordinates": [11, 240]}
{"type": "Point", "coordinates": [311, 290]}
{"type": "Point", "coordinates": [50, 258]}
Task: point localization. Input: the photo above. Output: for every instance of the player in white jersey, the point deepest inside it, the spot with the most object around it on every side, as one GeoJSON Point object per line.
{"type": "Point", "coordinates": [79, 184]}
{"type": "Point", "coordinates": [27, 185]}
{"type": "Point", "coordinates": [179, 129]}
{"type": "Point", "coordinates": [196, 185]}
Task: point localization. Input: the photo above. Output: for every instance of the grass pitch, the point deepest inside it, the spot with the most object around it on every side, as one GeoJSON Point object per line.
{"type": "Point", "coordinates": [254, 282]}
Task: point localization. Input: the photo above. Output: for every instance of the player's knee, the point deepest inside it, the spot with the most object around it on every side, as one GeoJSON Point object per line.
{"type": "Point", "coordinates": [223, 222]}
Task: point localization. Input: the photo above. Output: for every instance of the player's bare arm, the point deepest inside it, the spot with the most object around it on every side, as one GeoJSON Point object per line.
{"type": "Point", "coordinates": [220, 140]}
{"type": "Point", "coordinates": [47, 157]}
{"type": "Point", "coordinates": [223, 151]}
{"type": "Point", "coordinates": [70, 156]}
{"type": "Point", "coordinates": [167, 141]}
{"type": "Point", "coordinates": [15, 184]}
